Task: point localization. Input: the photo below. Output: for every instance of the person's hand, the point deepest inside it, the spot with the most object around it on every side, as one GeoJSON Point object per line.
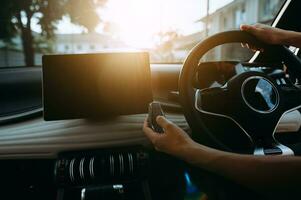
{"type": "Point", "coordinates": [265, 33]}
{"type": "Point", "coordinates": [172, 141]}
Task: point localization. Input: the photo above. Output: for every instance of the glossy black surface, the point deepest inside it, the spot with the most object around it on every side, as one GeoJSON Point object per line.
{"type": "Point", "coordinates": [260, 94]}
{"type": "Point", "coordinates": [96, 85]}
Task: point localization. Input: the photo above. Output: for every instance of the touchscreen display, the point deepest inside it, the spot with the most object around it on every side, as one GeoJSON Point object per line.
{"type": "Point", "coordinates": [96, 85]}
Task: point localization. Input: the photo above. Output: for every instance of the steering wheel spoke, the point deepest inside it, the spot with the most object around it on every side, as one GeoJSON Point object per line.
{"type": "Point", "coordinates": [291, 97]}
{"type": "Point", "coordinates": [212, 100]}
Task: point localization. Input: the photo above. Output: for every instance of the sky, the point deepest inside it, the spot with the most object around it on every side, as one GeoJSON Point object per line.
{"type": "Point", "coordinates": [136, 21]}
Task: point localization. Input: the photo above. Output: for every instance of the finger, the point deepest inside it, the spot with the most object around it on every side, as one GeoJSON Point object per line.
{"type": "Point", "coordinates": [259, 25]}
{"type": "Point", "coordinates": [149, 132]}
{"type": "Point", "coordinates": [254, 48]}
{"type": "Point", "coordinates": [245, 27]}
{"type": "Point", "coordinates": [147, 120]}
{"type": "Point", "coordinates": [163, 122]}
{"type": "Point", "coordinates": [245, 45]}
{"type": "Point", "coordinates": [250, 29]}
{"type": "Point", "coordinates": [146, 128]}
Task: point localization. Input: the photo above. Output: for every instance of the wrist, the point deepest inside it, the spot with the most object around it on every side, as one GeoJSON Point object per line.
{"type": "Point", "coordinates": [185, 152]}
{"type": "Point", "coordinates": [289, 38]}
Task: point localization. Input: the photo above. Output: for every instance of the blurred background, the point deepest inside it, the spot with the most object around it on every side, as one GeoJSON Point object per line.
{"type": "Point", "coordinates": [167, 29]}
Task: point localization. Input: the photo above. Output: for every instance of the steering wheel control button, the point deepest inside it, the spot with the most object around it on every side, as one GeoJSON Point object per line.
{"type": "Point", "coordinates": [272, 151]}
{"type": "Point", "coordinates": [260, 94]}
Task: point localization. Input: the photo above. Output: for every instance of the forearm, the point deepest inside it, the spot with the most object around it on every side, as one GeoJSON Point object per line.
{"type": "Point", "coordinates": [264, 174]}
{"type": "Point", "coordinates": [291, 38]}
{"type": "Point", "coordinates": [260, 173]}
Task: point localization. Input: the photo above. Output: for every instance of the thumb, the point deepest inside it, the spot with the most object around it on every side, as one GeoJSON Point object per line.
{"type": "Point", "coordinates": [163, 122]}
{"type": "Point", "coordinates": [249, 28]}
{"type": "Point", "coordinates": [245, 27]}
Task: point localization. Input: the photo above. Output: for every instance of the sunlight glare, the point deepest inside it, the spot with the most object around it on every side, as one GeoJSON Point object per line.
{"type": "Point", "coordinates": [138, 21]}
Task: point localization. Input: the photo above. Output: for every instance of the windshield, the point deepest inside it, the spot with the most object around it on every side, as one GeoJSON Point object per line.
{"type": "Point", "coordinates": [167, 29]}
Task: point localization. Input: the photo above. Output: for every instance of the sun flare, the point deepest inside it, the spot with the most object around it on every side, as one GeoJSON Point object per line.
{"type": "Point", "coordinates": [136, 22]}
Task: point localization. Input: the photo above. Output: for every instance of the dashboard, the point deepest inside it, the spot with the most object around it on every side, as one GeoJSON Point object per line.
{"type": "Point", "coordinates": [111, 158]}
{"type": "Point", "coordinates": [36, 138]}
{"type": "Point", "coordinates": [66, 159]}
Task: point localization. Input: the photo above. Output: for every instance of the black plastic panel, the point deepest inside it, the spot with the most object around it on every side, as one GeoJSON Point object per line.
{"type": "Point", "coordinates": [21, 90]}
{"type": "Point", "coordinates": [96, 85]}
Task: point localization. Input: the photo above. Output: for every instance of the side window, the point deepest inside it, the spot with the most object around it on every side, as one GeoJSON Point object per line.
{"type": "Point", "coordinates": [240, 16]}
{"type": "Point", "coordinates": [269, 8]}
{"type": "Point", "coordinates": [234, 14]}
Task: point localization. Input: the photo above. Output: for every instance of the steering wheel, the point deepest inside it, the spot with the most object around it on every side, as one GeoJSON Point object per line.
{"type": "Point", "coordinates": [252, 101]}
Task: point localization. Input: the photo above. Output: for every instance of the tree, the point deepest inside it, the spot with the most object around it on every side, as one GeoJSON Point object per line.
{"type": "Point", "coordinates": [16, 18]}
{"type": "Point", "coordinates": [165, 45]}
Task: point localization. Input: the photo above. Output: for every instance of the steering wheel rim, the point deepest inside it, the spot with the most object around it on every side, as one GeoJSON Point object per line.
{"type": "Point", "coordinates": [187, 92]}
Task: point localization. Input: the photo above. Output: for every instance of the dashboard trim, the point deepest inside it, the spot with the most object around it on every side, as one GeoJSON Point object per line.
{"type": "Point", "coordinates": [36, 138]}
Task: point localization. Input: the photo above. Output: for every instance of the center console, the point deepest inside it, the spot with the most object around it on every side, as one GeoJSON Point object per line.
{"type": "Point", "coordinates": [118, 173]}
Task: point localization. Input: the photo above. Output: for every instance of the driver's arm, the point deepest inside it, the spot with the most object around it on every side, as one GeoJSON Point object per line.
{"type": "Point", "coordinates": [273, 35]}
{"type": "Point", "coordinates": [267, 174]}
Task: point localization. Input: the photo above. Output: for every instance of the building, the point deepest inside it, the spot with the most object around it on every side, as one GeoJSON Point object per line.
{"type": "Point", "coordinates": [12, 54]}
{"type": "Point", "coordinates": [232, 15]}
{"type": "Point", "coordinates": [85, 43]}
{"type": "Point", "coordinates": [184, 44]}
{"type": "Point", "coordinates": [242, 11]}
{"type": "Point", "coordinates": [229, 17]}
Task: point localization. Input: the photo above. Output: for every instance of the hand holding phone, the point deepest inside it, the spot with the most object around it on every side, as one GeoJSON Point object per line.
{"type": "Point", "coordinates": [155, 110]}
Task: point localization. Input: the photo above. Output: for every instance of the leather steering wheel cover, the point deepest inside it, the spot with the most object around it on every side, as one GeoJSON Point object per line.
{"type": "Point", "coordinates": [186, 91]}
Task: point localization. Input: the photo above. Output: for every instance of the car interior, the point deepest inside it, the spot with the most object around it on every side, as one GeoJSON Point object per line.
{"type": "Point", "coordinates": [71, 125]}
